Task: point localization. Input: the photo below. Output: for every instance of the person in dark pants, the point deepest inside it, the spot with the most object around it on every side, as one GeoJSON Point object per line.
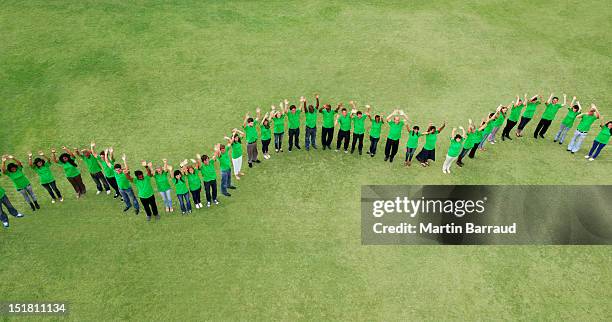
{"type": "Point", "coordinates": [528, 114]}
{"type": "Point", "coordinates": [375, 128]}
{"type": "Point", "coordinates": [412, 144]}
{"type": "Point", "coordinates": [209, 175]}
{"type": "Point", "coordinates": [251, 136]}
{"type": "Point", "coordinates": [327, 130]}
{"type": "Point", "coordinates": [278, 117]}
{"type": "Point", "coordinates": [429, 149]}
{"type": "Point", "coordinates": [474, 137]}
{"type": "Point", "coordinates": [108, 160]}
{"type": "Point", "coordinates": [344, 133]}
{"type": "Point", "coordinates": [68, 161]}
{"type": "Point", "coordinates": [358, 120]}
{"type": "Point", "coordinates": [42, 166]}
{"type": "Point", "coordinates": [95, 170]}
{"type": "Point", "coordinates": [395, 133]}
{"type": "Point", "coordinates": [4, 201]}
{"type": "Point", "coordinates": [513, 117]}
{"type": "Point", "coordinates": [293, 115]}
{"type": "Point", "coordinates": [311, 125]}
{"type": "Point", "coordinates": [552, 107]}
{"type": "Point", "coordinates": [125, 188]}
{"type": "Point", "coordinates": [145, 190]}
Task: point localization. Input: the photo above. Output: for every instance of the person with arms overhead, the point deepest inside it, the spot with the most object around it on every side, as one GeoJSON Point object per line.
{"type": "Point", "coordinates": [42, 166]}
{"type": "Point", "coordinates": [14, 170]}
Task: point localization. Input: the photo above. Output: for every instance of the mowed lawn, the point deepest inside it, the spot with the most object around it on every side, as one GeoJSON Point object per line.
{"type": "Point", "coordinates": [168, 80]}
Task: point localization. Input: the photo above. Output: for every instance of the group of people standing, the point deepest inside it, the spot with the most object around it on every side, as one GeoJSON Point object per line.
{"type": "Point", "coordinates": [194, 175]}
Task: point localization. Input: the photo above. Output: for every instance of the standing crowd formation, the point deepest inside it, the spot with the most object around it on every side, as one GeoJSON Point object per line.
{"type": "Point", "coordinates": [186, 181]}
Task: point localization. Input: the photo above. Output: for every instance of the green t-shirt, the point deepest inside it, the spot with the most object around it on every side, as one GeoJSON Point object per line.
{"type": "Point", "coordinates": [108, 170]}
{"type": "Point", "coordinates": [395, 130]}
{"type": "Point", "coordinates": [19, 179]}
{"type": "Point", "coordinates": [413, 140]}
{"type": "Point", "coordinates": [180, 186]}
{"type": "Point", "coordinates": [328, 118]}
{"type": "Point", "coordinates": [44, 173]}
{"type": "Point", "coordinates": [92, 163]}
{"type": "Point", "coordinates": [489, 128]}
{"type": "Point", "coordinates": [551, 111]}
{"type": "Point", "coordinates": [586, 122]}
{"type": "Point", "coordinates": [265, 132]}
{"type": "Point", "coordinates": [194, 181]}
{"type": "Point", "coordinates": [237, 150]}
{"type": "Point", "coordinates": [499, 121]}
{"type": "Point", "coordinates": [570, 117]}
{"type": "Point", "coordinates": [530, 110]}
{"type": "Point", "coordinates": [122, 181]}
{"type": "Point", "coordinates": [2, 191]}
{"type": "Point", "coordinates": [472, 139]}
{"type": "Point", "coordinates": [224, 161]}
{"type": "Point", "coordinates": [161, 180]}
{"type": "Point", "coordinates": [208, 171]}
{"type": "Point", "coordinates": [455, 147]}
{"type": "Point", "coordinates": [311, 119]}
{"type": "Point", "coordinates": [145, 189]}
{"type": "Point", "coordinates": [515, 113]}
{"type": "Point", "coordinates": [430, 140]}
{"type": "Point", "coordinates": [375, 129]}
{"type": "Point", "coordinates": [251, 133]}
{"type": "Point", "coordinates": [69, 170]}
{"type": "Point", "coordinates": [358, 126]}
{"type": "Point", "coordinates": [294, 119]}
{"type": "Point", "coordinates": [279, 124]}
{"type": "Point", "coordinates": [604, 135]}
{"type": "Point", "coordinates": [345, 122]}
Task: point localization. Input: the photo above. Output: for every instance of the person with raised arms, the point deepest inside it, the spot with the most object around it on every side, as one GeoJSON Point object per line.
{"type": "Point", "coordinates": [568, 121]}
{"type": "Point", "coordinates": [14, 170]}
{"type": "Point", "coordinates": [293, 117]}
{"type": "Point", "coordinates": [375, 128]}
{"type": "Point", "coordinates": [327, 130]}
{"type": "Point", "coordinates": [600, 141]}
{"type": "Point", "coordinates": [95, 170]}
{"type": "Point", "coordinates": [311, 124]}
{"type": "Point", "coordinates": [236, 145]}
{"type": "Point", "coordinates": [454, 149]}
{"type": "Point", "coordinates": [552, 107]}
{"type": "Point", "coordinates": [163, 186]}
{"type": "Point", "coordinates": [145, 189]}
{"type": "Point", "coordinates": [586, 120]}
{"type": "Point", "coordinates": [4, 201]}
{"type": "Point", "coordinates": [278, 117]}
{"type": "Point", "coordinates": [412, 144]}
{"type": "Point", "coordinates": [68, 162]}
{"type": "Point", "coordinates": [474, 137]}
{"type": "Point", "coordinates": [264, 129]}
{"type": "Point", "coordinates": [498, 123]}
{"type": "Point", "coordinates": [209, 175]}
{"type": "Point", "coordinates": [181, 189]}
{"type": "Point", "coordinates": [396, 125]}
{"type": "Point", "coordinates": [528, 114]}
{"type": "Point", "coordinates": [226, 169]}
{"type": "Point", "coordinates": [487, 131]}
{"type": "Point", "coordinates": [513, 118]}
{"type": "Point", "coordinates": [358, 120]}
{"type": "Point", "coordinates": [42, 166]}
{"type": "Point", "coordinates": [125, 188]}
{"type": "Point", "coordinates": [192, 172]}
{"type": "Point", "coordinates": [108, 161]}
{"type": "Point", "coordinates": [428, 152]}
{"type": "Point", "coordinates": [344, 133]}
{"type": "Point", "coordinates": [251, 136]}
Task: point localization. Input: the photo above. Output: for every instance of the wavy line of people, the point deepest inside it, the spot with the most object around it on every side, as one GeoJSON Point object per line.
{"type": "Point", "coordinates": [194, 175]}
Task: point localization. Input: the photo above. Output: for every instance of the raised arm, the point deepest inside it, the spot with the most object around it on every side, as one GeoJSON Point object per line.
{"type": "Point", "coordinates": [391, 115]}
{"type": "Point", "coordinates": [462, 132]}
{"type": "Point", "coordinates": [442, 127]}
{"type": "Point", "coordinates": [549, 98]}
{"type": "Point", "coordinates": [30, 163]}
{"type": "Point", "coordinates": [453, 133]}
{"type": "Point", "coordinates": [54, 155]}
{"type": "Point", "coordinates": [149, 166]}
{"type": "Point", "coordinates": [3, 167]}
{"type": "Point", "coordinates": [338, 107]}
{"type": "Point", "coordinates": [68, 151]}
{"type": "Point", "coordinates": [257, 114]}
{"type": "Point", "coordinates": [367, 112]}
{"type": "Point", "coordinates": [403, 114]}
{"type": "Point", "coordinates": [92, 147]}
{"type": "Point", "coordinates": [596, 110]}
{"type": "Point", "coordinates": [246, 117]}
{"type": "Point", "coordinates": [317, 99]}
{"type": "Point", "coordinates": [303, 105]}
{"type": "Point", "coordinates": [124, 158]}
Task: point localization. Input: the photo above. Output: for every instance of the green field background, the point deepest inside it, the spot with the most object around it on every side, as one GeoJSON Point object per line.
{"type": "Point", "coordinates": [165, 79]}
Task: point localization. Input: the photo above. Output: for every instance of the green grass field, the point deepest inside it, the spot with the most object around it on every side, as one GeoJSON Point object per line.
{"type": "Point", "coordinates": [168, 80]}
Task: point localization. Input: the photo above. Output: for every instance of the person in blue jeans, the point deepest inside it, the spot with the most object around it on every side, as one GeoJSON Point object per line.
{"type": "Point", "coordinates": [226, 169]}
{"type": "Point", "coordinates": [182, 190]}
{"type": "Point", "coordinates": [125, 188]}
{"type": "Point", "coordinates": [586, 120]}
{"type": "Point", "coordinates": [600, 141]}
{"type": "Point", "coordinates": [4, 201]}
{"type": "Point", "coordinates": [311, 124]}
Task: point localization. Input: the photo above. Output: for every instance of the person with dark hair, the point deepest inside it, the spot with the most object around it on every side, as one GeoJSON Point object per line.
{"type": "Point", "coordinates": [145, 190]}
{"type": "Point", "coordinates": [4, 201]}
{"type": "Point", "coordinates": [125, 188]}
{"type": "Point", "coordinates": [487, 131]}
{"type": "Point", "coordinates": [194, 181]}
{"type": "Point", "coordinates": [395, 133]}
{"type": "Point", "coordinates": [327, 129]}
{"type": "Point", "coordinates": [429, 149]}
{"type": "Point", "coordinates": [226, 169]}
{"type": "Point", "coordinates": [42, 166]}
{"type": "Point", "coordinates": [498, 123]}
{"type": "Point", "coordinates": [182, 191]}
{"type": "Point", "coordinates": [513, 118]}
{"type": "Point", "coordinates": [568, 121]}
{"type": "Point", "coordinates": [454, 149]}
{"type": "Point", "coordinates": [552, 107]}
{"type": "Point", "coordinates": [278, 117]}
{"type": "Point", "coordinates": [209, 175]}
{"type": "Point", "coordinates": [251, 137]}
{"type": "Point", "coordinates": [108, 161]}
{"type": "Point", "coordinates": [264, 129]}
{"type": "Point", "coordinates": [528, 114]}
{"type": "Point", "coordinates": [344, 133]}
{"type": "Point", "coordinates": [293, 117]}
{"type": "Point", "coordinates": [236, 144]}
{"type": "Point", "coordinates": [358, 120]}
{"type": "Point", "coordinates": [311, 124]}
{"type": "Point", "coordinates": [470, 145]}
{"type": "Point", "coordinates": [600, 141]}
{"type": "Point", "coordinates": [412, 144]}
{"type": "Point", "coordinates": [68, 162]}
{"type": "Point", "coordinates": [586, 120]}
{"type": "Point", "coordinates": [91, 160]}
{"type": "Point", "coordinates": [163, 186]}
{"type": "Point", "coordinates": [375, 128]}
{"type": "Point", "coordinates": [14, 171]}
